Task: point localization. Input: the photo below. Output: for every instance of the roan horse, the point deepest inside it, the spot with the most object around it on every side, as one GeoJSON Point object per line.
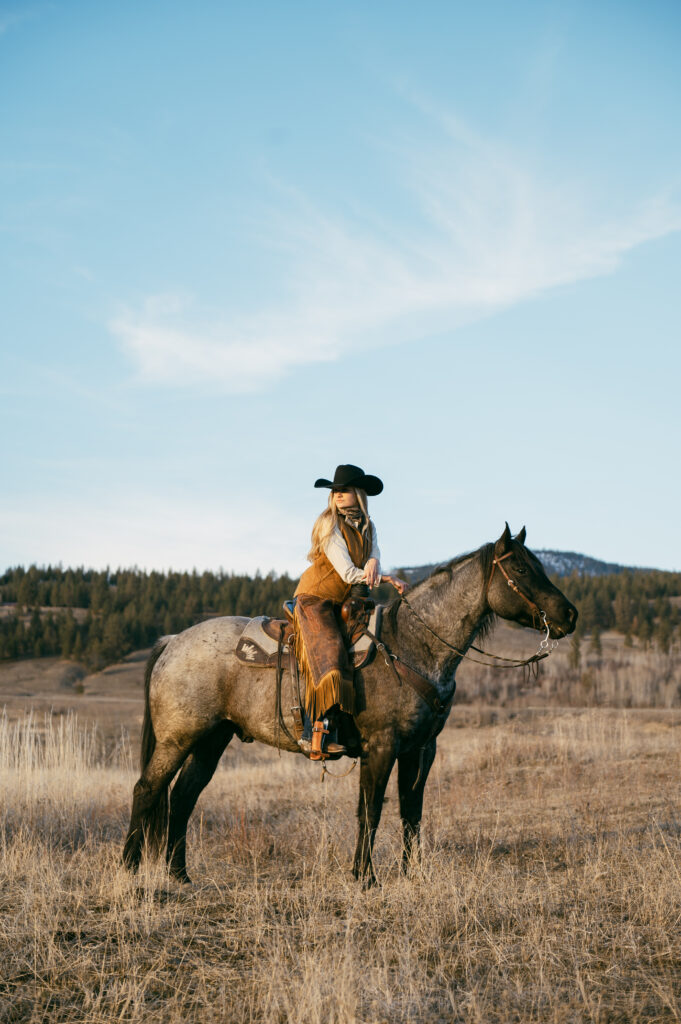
{"type": "Point", "coordinates": [198, 696]}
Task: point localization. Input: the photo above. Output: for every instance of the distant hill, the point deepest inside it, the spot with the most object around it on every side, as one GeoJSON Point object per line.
{"type": "Point", "coordinates": [556, 563]}
{"type": "Point", "coordinates": [563, 563]}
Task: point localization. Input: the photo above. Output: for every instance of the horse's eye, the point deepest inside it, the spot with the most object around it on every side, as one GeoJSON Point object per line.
{"type": "Point", "coordinates": [521, 570]}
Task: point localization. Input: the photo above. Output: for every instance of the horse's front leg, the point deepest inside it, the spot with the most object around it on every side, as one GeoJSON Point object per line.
{"type": "Point", "coordinates": [376, 766]}
{"type": "Point", "coordinates": [412, 771]}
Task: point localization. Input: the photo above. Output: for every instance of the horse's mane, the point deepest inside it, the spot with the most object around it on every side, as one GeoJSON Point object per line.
{"type": "Point", "coordinates": [485, 554]}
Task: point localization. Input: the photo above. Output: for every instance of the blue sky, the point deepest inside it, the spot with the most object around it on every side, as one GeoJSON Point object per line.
{"type": "Point", "coordinates": [242, 243]}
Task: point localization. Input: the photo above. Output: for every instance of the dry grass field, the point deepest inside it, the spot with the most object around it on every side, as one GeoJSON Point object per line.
{"type": "Point", "coordinates": [549, 889]}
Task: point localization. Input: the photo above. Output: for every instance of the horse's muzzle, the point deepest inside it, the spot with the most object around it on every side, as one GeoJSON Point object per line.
{"type": "Point", "coordinates": [564, 623]}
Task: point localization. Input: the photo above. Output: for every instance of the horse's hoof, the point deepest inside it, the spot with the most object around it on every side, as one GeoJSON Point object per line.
{"type": "Point", "coordinates": [367, 879]}
{"type": "Point", "coordinates": [182, 877]}
{"type": "Point", "coordinates": [131, 864]}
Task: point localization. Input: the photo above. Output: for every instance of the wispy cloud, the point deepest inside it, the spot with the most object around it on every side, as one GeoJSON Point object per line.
{"type": "Point", "coordinates": [239, 356]}
{"type": "Point", "coordinates": [479, 231]}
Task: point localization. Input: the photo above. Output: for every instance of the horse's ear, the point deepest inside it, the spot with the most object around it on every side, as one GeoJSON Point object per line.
{"type": "Point", "coordinates": [520, 537]}
{"type": "Point", "coordinates": [504, 543]}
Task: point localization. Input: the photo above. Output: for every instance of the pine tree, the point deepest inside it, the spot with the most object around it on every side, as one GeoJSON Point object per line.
{"type": "Point", "coordinates": [113, 638]}
{"type": "Point", "coordinates": [595, 644]}
{"type": "Point", "coordinates": [663, 635]}
{"type": "Point", "coordinates": [77, 650]}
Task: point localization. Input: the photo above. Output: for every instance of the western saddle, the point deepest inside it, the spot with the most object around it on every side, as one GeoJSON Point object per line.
{"type": "Point", "coordinates": [258, 645]}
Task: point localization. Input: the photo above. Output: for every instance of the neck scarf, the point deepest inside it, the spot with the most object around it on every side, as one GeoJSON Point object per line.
{"type": "Point", "coordinates": [355, 517]}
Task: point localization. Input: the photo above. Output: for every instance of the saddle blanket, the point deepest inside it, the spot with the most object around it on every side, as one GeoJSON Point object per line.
{"type": "Point", "coordinates": [259, 641]}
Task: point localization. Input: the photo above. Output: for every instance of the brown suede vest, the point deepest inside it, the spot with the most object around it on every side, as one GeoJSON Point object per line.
{"type": "Point", "coordinates": [322, 580]}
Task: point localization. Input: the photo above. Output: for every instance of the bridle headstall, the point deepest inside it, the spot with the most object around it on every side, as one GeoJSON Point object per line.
{"type": "Point", "coordinates": [544, 648]}
{"type": "Point", "coordinates": [423, 686]}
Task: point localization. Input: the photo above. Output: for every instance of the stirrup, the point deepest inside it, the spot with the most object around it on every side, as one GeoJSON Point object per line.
{"type": "Point", "coordinates": [327, 755]}
{"type": "Point", "coordinates": [317, 752]}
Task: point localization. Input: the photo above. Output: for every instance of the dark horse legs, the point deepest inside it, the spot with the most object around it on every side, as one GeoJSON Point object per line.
{"type": "Point", "coordinates": [149, 807]}
{"type": "Point", "coordinates": [196, 773]}
{"type": "Point", "coordinates": [377, 764]}
{"type": "Point", "coordinates": [411, 796]}
{"type": "Point", "coordinates": [149, 816]}
{"type": "Point", "coordinates": [376, 768]}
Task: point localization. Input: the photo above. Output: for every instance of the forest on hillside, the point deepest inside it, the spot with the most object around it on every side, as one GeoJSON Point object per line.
{"type": "Point", "coordinates": [98, 617]}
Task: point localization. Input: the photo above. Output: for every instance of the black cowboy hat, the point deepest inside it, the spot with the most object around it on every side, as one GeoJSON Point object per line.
{"type": "Point", "coordinates": [352, 476]}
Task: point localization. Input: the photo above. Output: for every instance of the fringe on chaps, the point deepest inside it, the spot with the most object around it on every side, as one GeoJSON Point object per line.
{"type": "Point", "coordinates": [322, 656]}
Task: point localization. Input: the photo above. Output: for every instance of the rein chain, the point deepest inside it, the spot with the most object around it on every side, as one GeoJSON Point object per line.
{"type": "Point", "coordinates": [423, 686]}
{"type": "Point", "coordinates": [420, 683]}
{"type": "Point", "coordinates": [543, 650]}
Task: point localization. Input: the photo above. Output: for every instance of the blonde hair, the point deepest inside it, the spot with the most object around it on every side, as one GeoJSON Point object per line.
{"type": "Point", "coordinates": [326, 522]}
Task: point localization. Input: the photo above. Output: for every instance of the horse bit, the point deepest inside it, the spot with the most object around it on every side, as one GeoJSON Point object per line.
{"type": "Point", "coordinates": [546, 645]}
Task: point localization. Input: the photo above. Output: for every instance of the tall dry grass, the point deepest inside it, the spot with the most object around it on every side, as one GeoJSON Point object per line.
{"type": "Point", "coordinates": [549, 888]}
{"type": "Point", "coordinates": [617, 676]}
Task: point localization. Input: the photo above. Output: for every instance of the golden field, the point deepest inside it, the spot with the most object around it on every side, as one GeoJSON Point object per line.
{"type": "Point", "coordinates": [549, 888]}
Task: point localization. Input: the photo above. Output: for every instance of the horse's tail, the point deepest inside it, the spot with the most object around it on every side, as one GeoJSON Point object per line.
{"type": "Point", "coordinates": [156, 823]}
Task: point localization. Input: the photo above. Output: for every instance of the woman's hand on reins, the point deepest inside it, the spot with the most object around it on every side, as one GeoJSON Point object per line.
{"type": "Point", "coordinates": [400, 585]}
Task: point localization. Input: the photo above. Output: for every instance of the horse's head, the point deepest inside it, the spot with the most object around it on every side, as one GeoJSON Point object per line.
{"type": "Point", "coordinates": [518, 588]}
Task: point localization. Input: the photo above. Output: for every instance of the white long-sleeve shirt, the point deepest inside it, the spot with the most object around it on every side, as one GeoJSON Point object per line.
{"type": "Point", "coordinates": [336, 550]}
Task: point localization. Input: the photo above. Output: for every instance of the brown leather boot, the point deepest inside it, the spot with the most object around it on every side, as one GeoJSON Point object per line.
{"type": "Point", "coordinates": [334, 749]}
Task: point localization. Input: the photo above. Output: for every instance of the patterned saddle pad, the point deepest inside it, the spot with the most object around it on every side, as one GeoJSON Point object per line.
{"type": "Point", "coordinates": [259, 641]}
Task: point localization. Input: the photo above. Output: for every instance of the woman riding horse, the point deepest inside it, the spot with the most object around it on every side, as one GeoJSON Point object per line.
{"type": "Point", "coordinates": [344, 556]}
{"type": "Point", "coordinates": [198, 695]}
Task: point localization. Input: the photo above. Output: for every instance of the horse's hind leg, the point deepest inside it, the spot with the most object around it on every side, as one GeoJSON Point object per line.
{"type": "Point", "coordinates": [412, 772]}
{"type": "Point", "coordinates": [196, 773]}
{"type": "Point", "coordinates": [149, 802]}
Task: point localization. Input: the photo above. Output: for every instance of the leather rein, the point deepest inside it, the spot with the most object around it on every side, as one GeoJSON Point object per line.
{"type": "Point", "coordinates": [423, 686]}
{"type": "Point", "coordinates": [537, 613]}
